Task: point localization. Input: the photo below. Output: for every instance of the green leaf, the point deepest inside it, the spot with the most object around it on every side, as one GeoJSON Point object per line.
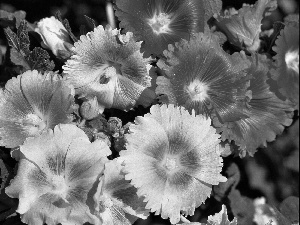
{"type": "Point", "coordinates": [66, 24]}
{"type": "Point", "coordinates": [38, 59]}
{"type": "Point", "coordinates": [23, 37]}
{"type": "Point", "coordinates": [12, 38]}
{"type": "Point", "coordinates": [18, 59]}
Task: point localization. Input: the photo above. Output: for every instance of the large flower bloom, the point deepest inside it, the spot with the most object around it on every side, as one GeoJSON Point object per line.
{"type": "Point", "coordinates": [243, 28]}
{"type": "Point", "coordinates": [267, 115]}
{"type": "Point", "coordinates": [287, 62]}
{"type": "Point", "coordinates": [201, 76]}
{"type": "Point", "coordinates": [31, 103]}
{"type": "Point", "coordinates": [110, 66]}
{"type": "Point", "coordinates": [160, 22]}
{"type": "Point", "coordinates": [116, 197]}
{"type": "Point", "coordinates": [173, 159]}
{"type": "Point", "coordinates": [55, 175]}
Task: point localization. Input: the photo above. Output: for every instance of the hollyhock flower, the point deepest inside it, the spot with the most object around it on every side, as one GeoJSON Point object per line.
{"type": "Point", "coordinates": [54, 35]}
{"type": "Point", "coordinates": [32, 103]}
{"type": "Point", "coordinates": [201, 76]}
{"type": "Point", "coordinates": [55, 175]}
{"type": "Point", "coordinates": [116, 197]}
{"type": "Point", "coordinates": [287, 63]}
{"type": "Point", "coordinates": [267, 115]}
{"type": "Point", "coordinates": [243, 28]}
{"type": "Point", "coordinates": [109, 65]}
{"type": "Point", "coordinates": [160, 22]}
{"type": "Point", "coordinates": [173, 159]}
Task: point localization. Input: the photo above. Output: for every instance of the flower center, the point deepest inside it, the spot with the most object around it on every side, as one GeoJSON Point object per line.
{"type": "Point", "coordinates": [197, 90]}
{"type": "Point", "coordinates": [292, 60]}
{"type": "Point", "coordinates": [59, 187]}
{"type": "Point", "coordinates": [112, 70]}
{"type": "Point", "coordinates": [160, 23]}
{"type": "Point", "coordinates": [33, 124]}
{"type": "Point", "coordinates": [171, 163]}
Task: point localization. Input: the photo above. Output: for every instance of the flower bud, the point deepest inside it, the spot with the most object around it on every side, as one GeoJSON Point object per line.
{"type": "Point", "coordinates": [54, 34]}
{"type": "Point", "coordinates": [90, 109]}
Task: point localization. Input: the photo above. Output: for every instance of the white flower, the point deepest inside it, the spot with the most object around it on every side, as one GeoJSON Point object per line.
{"type": "Point", "coordinates": [54, 34]}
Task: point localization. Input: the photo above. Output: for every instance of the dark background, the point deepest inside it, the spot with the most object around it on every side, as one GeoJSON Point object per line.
{"type": "Point", "coordinates": [273, 172]}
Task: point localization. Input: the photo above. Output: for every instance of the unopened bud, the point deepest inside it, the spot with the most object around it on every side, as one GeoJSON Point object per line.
{"type": "Point", "coordinates": [90, 109]}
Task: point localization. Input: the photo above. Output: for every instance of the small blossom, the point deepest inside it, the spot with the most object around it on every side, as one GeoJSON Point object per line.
{"type": "Point", "coordinates": [32, 103]}
{"type": "Point", "coordinates": [55, 175]}
{"type": "Point", "coordinates": [116, 198]}
{"type": "Point", "coordinates": [54, 34]}
{"type": "Point", "coordinates": [243, 28]}
{"type": "Point", "coordinates": [110, 66]}
{"type": "Point", "coordinates": [266, 115]}
{"type": "Point", "coordinates": [173, 159]}
{"type": "Point", "coordinates": [159, 23]}
{"type": "Point", "coordinates": [287, 63]}
{"type": "Point", "coordinates": [201, 76]}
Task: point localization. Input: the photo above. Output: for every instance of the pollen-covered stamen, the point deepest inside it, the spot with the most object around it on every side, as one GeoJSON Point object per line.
{"type": "Point", "coordinates": [292, 60]}
{"type": "Point", "coordinates": [33, 124]}
{"type": "Point", "coordinates": [160, 23]}
{"type": "Point", "coordinates": [197, 90]}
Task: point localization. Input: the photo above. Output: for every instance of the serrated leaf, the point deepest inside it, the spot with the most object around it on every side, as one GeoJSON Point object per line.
{"type": "Point", "coordinates": [18, 59]}
{"type": "Point", "coordinates": [23, 37]}
{"type": "Point", "coordinates": [12, 38]}
{"type": "Point", "coordinates": [66, 24]}
{"type": "Point", "coordinates": [38, 59]}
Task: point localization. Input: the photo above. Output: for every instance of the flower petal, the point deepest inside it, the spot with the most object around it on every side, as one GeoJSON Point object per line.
{"type": "Point", "coordinates": [143, 18]}
{"type": "Point", "coordinates": [31, 103]}
{"type": "Point", "coordinates": [59, 170]}
{"type": "Point", "coordinates": [109, 65]}
{"type": "Point", "coordinates": [267, 115]}
{"type": "Point", "coordinates": [170, 162]}
{"type": "Point", "coordinates": [203, 77]}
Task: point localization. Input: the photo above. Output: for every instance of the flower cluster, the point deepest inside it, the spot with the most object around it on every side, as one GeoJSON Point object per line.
{"type": "Point", "coordinates": [181, 94]}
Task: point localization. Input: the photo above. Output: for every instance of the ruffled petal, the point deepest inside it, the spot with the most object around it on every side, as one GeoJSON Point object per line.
{"type": "Point", "coordinates": [31, 103]}
{"type": "Point", "coordinates": [170, 162]}
{"type": "Point", "coordinates": [267, 115]}
{"type": "Point", "coordinates": [287, 63]}
{"type": "Point", "coordinates": [116, 197]}
{"type": "Point", "coordinates": [160, 22]}
{"type": "Point", "coordinates": [201, 76]}
{"type": "Point", "coordinates": [109, 65]}
{"type": "Point", "coordinates": [59, 170]}
{"type": "Point", "coordinates": [243, 27]}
